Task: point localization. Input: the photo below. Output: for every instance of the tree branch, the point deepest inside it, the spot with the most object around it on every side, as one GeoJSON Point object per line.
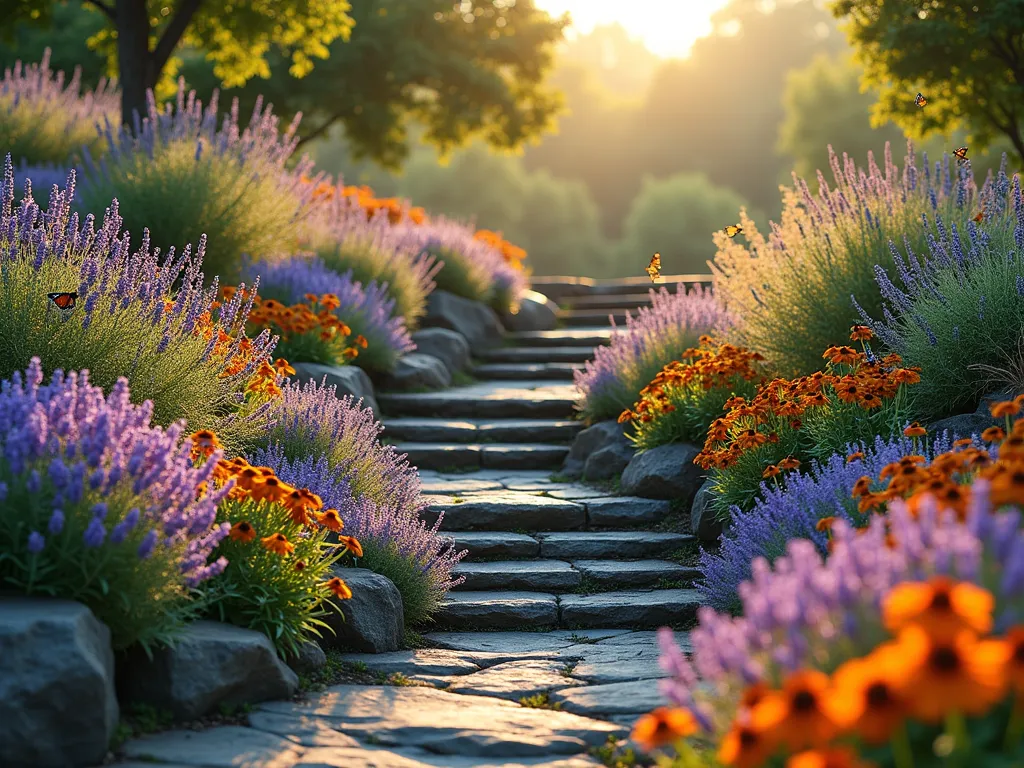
{"type": "Point", "coordinates": [173, 33]}
{"type": "Point", "coordinates": [103, 7]}
{"type": "Point", "coordinates": [320, 130]}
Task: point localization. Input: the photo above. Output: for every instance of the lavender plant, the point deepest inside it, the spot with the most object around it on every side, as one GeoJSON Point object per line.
{"type": "Point", "coordinates": [181, 177]}
{"type": "Point", "coordinates": [654, 337]}
{"type": "Point", "coordinates": [373, 251]}
{"type": "Point", "coordinates": [959, 312]}
{"type": "Point", "coordinates": [367, 310]}
{"type": "Point", "coordinates": [47, 120]}
{"type": "Point", "coordinates": [97, 505]}
{"type": "Point", "coordinates": [138, 315]}
{"type": "Point", "coordinates": [790, 291]}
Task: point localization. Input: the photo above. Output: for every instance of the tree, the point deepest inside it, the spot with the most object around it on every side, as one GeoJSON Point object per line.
{"type": "Point", "coordinates": [459, 74]}
{"type": "Point", "coordinates": [142, 36]}
{"type": "Point", "coordinates": [967, 58]}
{"type": "Point", "coordinates": [69, 29]}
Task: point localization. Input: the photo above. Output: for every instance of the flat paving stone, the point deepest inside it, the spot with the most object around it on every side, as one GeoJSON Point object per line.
{"type": "Point", "coordinates": [630, 698]}
{"type": "Point", "coordinates": [448, 487]}
{"type": "Point", "coordinates": [505, 511]}
{"type": "Point", "coordinates": [635, 609]}
{"type": "Point", "coordinates": [486, 400]}
{"type": "Point", "coordinates": [494, 543]}
{"type": "Point", "coordinates": [528, 430]}
{"type": "Point", "coordinates": [527, 371]}
{"type": "Point", "coordinates": [626, 511]}
{"type": "Point", "coordinates": [529, 575]}
{"type": "Point", "coordinates": [521, 642]}
{"type": "Point", "coordinates": [441, 455]}
{"type": "Point", "coordinates": [497, 610]}
{"type": "Point", "coordinates": [574, 492]}
{"type": "Point", "coordinates": [515, 680]}
{"type": "Point", "coordinates": [633, 573]}
{"type": "Point", "coordinates": [423, 661]}
{"type": "Point", "coordinates": [592, 545]}
{"type": "Point", "coordinates": [547, 487]}
{"type": "Point", "coordinates": [522, 455]}
{"type": "Point", "coordinates": [446, 723]}
{"type": "Point", "coordinates": [563, 337]}
{"type": "Point", "coordinates": [536, 354]}
{"type": "Point", "coordinates": [618, 671]}
{"type": "Point", "coordinates": [411, 757]}
{"type": "Point", "coordinates": [222, 747]}
{"type": "Point", "coordinates": [643, 638]}
{"type": "Point", "coordinates": [429, 430]}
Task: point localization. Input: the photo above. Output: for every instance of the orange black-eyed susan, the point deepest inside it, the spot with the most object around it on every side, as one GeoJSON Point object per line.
{"type": "Point", "coordinates": [63, 300]}
{"type": "Point", "coordinates": [960, 153]}
{"type": "Point", "coordinates": [654, 268]}
{"type": "Point", "coordinates": [733, 229]}
{"type": "Point", "coordinates": [920, 100]}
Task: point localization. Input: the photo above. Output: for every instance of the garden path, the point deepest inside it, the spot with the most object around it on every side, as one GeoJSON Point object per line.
{"type": "Point", "coordinates": [564, 585]}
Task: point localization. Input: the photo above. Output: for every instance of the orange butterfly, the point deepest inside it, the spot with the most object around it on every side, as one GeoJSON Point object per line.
{"type": "Point", "coordinates": [961, 154]}
{"type": "Point", "coordinates": [920, 100]}
{"type": "Point", "coordinates": [979, 216]}
{"type": "Point", "coordinates": [654, 268]}
{"type": "Point", "coordinates": [64, 301]}
{"type": "Point", "coordinates": [733, 229]}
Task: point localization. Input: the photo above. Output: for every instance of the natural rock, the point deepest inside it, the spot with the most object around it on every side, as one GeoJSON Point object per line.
{"type": "Point", "coordinates": [967, 424]}
{"type": "Point", "coordinates": [57, 701]}
{"type": "Point", "coordinates": [310, 658]}
{"type": "Point", "coordinates": [515, 680]}
{"type": "Point", "coordinates": [625, 510]}
{"type": "Point", "coordinates": [703, 522]}
{"type": "Point", "coordinates": [495, 544]}
{"type": "Point", "coordinates": [608, 462]}
{"type": "Point", "coordinates": [536, 312]}
{"type": "Point", "coordinates": [349, 380]}
{"type": "Point", "coordinates": [626, 574]}
{"type": "Point", "coordinates": [529, 575]}
{"type": "Point", "coordinates": [446, 345]}
{"type": "Point", "coordinates": [594, 545]}
{"type": "Point", "coordinates": [497, 610]}
{"type": "Point", "coordinates": [506, 511]}
{"type": "Point", "coordinates": [417, 371]}
{"type": "Point", "coordinates": [210, 664]}
{"type": "Point", "coordinates": [523, 642]}
{"type": "Point", "coordinates": [665, 472]}
{"type": "Point", "coordinates": [630, 698]}
{"type": "Point", "coordinates": [629, 609]}
{"type": "Point", "coordinates": [590, 441]}
{"type": "Point", "coordinates": [476, 321]}
{"type": "Point", "coordinates": [373, 618]}
{"type": "Point", "coordinates": [229, 745]}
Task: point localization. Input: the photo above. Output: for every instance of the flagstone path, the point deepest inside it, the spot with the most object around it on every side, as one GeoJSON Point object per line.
{"type": "Point", "coordinates": [564, 587]}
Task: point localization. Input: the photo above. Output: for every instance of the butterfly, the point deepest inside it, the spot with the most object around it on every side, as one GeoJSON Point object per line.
{"type": "Point", "coordinates": [961, 154]}
{"type": "Point", "coordinates": [733, 229]}
{"type": "Point", "coordinates": [920, 100]}
{"type": "Point", "coordinates": [654, 268]}
{"type": "Point", "coordinates": [979, 216]}
{"type": "Point", "coordinates": [65, 302]}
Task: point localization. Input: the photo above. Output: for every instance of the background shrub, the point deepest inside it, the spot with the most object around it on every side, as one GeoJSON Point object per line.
{"type": "Point", "coordinates": [651, 339]}
{"type": "Point", "coordinates": [98, 506]}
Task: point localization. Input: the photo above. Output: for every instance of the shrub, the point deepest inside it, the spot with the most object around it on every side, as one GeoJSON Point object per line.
{"type": "Point", "coordinates": [788, 423]}
{"type": "Point", "coordinates": [959, 314]}
{"type": "Point", "coordinates": [366, 310]}
{"type": "Point", "coordinates": [137, 315]}
{"type": "Point", "coordinates": [306, 332]}
{"type": "Point", "coordinates": [681, 401]}
{"type": "Point", "coordinates": [655, 336]}
{"type": "Point", "coordinates": [791, 292]}
{"type": "Point", "coordinates": [277, 579]}
{"type": "Point", "coordinates": [181, 177]}
{"type": "Point", "coordinates": [97, 505]}
{"type": "Point", "coordinates": [43, 121]}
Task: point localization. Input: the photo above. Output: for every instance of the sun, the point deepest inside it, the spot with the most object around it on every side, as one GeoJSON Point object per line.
{"type": "Point", "coordinates": [667, 27]}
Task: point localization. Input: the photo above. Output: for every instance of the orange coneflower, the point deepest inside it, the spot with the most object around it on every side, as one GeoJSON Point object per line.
{"type": "Point", "coordinates": [351, 543]}
{"type": "Point", "coordinates": [330, 519]}
{"type": "Point", "coordinates": [283, 368]}
{"type": "Point", "coordinates": [664, 725]}
{"type": "Point", "coordinates": [1015, 662]}
{"type": "Point", "coordinates": [832, 757]}
{"type": "Point", "coordinates": [746, 747]}
{"type": "Point", "coordinates": [963, 442]}
{"type": "Point", "coordinates": [866, 694]}
{"type": "Point", "coordinates": [242, 531]}
{"type": "Point", "coordinates": [338, 588]}
{"type": "Point", "coordinates": [789, 463]}
{"type": "Point", "coordinates": [1004, 408]}
{"type": "Point", "coordinates": [993, 435]}
{"type": "Point", "coordinates": [278, 544]}
{"type": "Point", "coordinates": [825, 524]}
{"type": "Point", "coordinates": [914, 430]}
{"type": "Point", "coordinates": [861, 333]}
{"type": "Point", "coordinates": [271, 489]}
{"type": "Point", "coordinates": [855, 456]}
{"type": "Point", "coordinates": [941, 606]}
{"type": "Point", "coordinates": [361, 341]}
{"type": "Point", "coordinates": [771, 471]}
{"type": "Point", "coordinates": [1007, 486]}
{"type": "Point", "coordinates": [205, 442]}
{"type": "Point", "coordinates": [800, 715]}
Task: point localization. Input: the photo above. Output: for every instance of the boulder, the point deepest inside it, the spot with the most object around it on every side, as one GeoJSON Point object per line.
{"type": "Point", "coordinates": [417, 371]}
{"type": "Point", "coordinates": [665, 472]}
{"type": "Point", "coordinates": [967, 424]}
{"type": "Point", "coordinates": [474, 320]}
{"type": "Point", "coordinates": [210, 664]}
{"type": "Point", "coordinates": [349, 380]}
{"type": "Point", "coordinates": [591, 440]}
{"type": "Point", "coordinates": [608, 462]}
{"type": "Point", "coordinates": [373, 619]}
{"type": "Point", "coordinates": [57, 702]}
{"type": "Point", "coordinates": [448, 346]}
{"type": "Point", "coordinates": [536, 312]}
{"type": "Point", "coordinates": [702, 518]}
{"type": "Point", "coordinates": [310, 658]}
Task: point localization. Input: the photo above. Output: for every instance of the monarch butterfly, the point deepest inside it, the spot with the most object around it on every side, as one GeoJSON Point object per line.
{"type": "Point", "coordinates": [64, 301]}
{"type": "Point", "coordinates": [961, 154]}
{"type": "Point", "coordinates": [980, 215]}
{"type": "Point", "coordinates": [920, 100]}
{"type": "Point", "coordinates": [654, 268]}
{"type": "Point", "coordinates": [733, 229]}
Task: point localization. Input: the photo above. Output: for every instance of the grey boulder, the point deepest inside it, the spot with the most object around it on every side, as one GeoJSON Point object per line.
{"type": "Point", "coordinates": [536, 312]}
{"type": "Point", "coordinates": [967, 424]}
{"type": "Point", "coordinates": [349, 380]}
{"type": "Point", "coordinates": [448, 346]}
{"type": "Point", "coordinates": [373, 619]}
{"type": "Point", "coordinates": [418, 371]}
{"type": "Point", "coordinates": [608, 462]}
{"type": "Point", "coordinates": [591, 440]}
{"type": "Point", "coordinates": [665, 472]}
{"type": "Point", "coordinates": [310, 658]}
{"type": "Point", "coordinates": [210, 664]}
{"type": "Point", "coordinates": [57, 702]}
{"type": "Point", "coordinates": [703, 523]}
{"type": "Point", "coordinates": [476, 321]}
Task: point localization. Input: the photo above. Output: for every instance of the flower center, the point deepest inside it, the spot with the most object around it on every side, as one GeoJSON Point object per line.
{"type": "Point", "coordinates": [944, 660]}
{"type": "Point", "coordinates": [941, 601]}
{"type": "Point", "coordinates": [748, 738]}
{"type": "Point", "coordinates": [1018, 653]}
{"type": "Point", "coordinates": [804, 701]}
{"type": "Point", "coordinates": [878, 695]}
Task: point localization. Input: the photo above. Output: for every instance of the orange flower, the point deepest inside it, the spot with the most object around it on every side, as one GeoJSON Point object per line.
{"type": "Point", "coordinates": [1015, 666]}
{"type": "Point", "coordinates": [993, 435]}
{"type": "Point", "coordinates": [855, 456]}
{"type": "Point", "coordinates": [963, 442]}
{"type": "Point", "coordinates": [351, 543]}
{"type": "Point", "coordinates": [840, 355]}
{"type": "Point", "coordinates": [351, 352]}
{"type": "Point", "coordinates": [271, 489]}
{"type": "Point", "coordinates": [300, 565]}
{"type": "Point", "coordinates": [833, 757]}
{"type": "Point", "coordinates": [862, 487]}
{"type": "Point", "coordinates": [771, 471]}
{"type": "Point", "coordinates": [338, 588]}
{"type": "Point", "coordinates": [283, 368]}
{"type": "Point", "coordinates": [626, 415]}
{"type": "Point", "coordinates": [300, 502]}
{"type": "Point", "coordinates": [789, 463]}
{"type": "Point", "coordinates": [861, 333]}
{"type": "Point", "coordinates": [361, 341]}
{"type": "Point", "coordinates": [800, 715]}
{"type": "Point", "coordinates": [242, 531]}
{"type": "Point", "coordinates": [941, 607]}
{"type": "Point", "coordinates": [867, 694]}
{"type": "Point", "coordinates": [1007, 486]}
{"type": "Point", "coordinates": [330, 519]}
{"type": "Point", "coordinates": [915, 430]}
{"type": "Point", "coordinates": [745, 747]}
{"type": "Point", "coordinates": [824, 524]}
{"type": "Point", "coordinates": [330, 302]}
{"type": "Point", "coordinates": [1004, 408]}
{"type": "Point", "coordinates": [869, 400]}
{"type": "Point", "coordinates": [278, 544]}
{"type": "Point", "coordinates": [665, 725]}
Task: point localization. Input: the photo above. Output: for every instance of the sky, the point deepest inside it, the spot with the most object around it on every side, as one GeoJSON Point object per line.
{"type": "Point", "coordinates": [667, 27]}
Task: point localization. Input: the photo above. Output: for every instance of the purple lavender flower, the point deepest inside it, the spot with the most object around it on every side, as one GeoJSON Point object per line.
{"type": "Point", "coordinates": [56, 524]}
{"type": "Point", "coordinates": [94, 533]}
{"type": "Point", "coordinates": [36, 542]}
{"type": "Point", "coordinates": [651, 339]}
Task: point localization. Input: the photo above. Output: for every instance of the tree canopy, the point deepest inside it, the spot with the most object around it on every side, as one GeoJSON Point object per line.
{"type": "Point", "coordinates": [967, 58]}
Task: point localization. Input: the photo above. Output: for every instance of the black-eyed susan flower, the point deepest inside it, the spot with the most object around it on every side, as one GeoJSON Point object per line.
{"type": "Point", "coordinates": [914, 430]}
{"type": "Point", "coordinates": [351, 543]}
{"type": "Point", "coordinates": [338, 588]}
{"type": "Point", "coordinates": [330, 519]}
{"type": "Point", "coordinates": [801, 714]}
{"type": "Point", "coordinates": [242, 531]}
{"type": "Point", "coordinates": [663, 726]}
{"type": "Point", "coordinates": [867, 694]}
{"type": "Point", "coordinates": [941, 607]}
{"type": "Point", "coordinates": [278, 544]}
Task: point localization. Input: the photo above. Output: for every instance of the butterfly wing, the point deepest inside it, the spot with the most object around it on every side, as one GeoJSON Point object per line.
{"type": "Point", "coordinates": [920, 100]}
{"type": "Point", "coordinates": [64, 301]}
{"type": "Point", "coordinates": [654, 268]}
{"type": "Point", "coordinates": [979, 216]}
{"type": "Point", "coordinates": [733, 229]}
{"type": "Point", "coordinates": [961, 153]}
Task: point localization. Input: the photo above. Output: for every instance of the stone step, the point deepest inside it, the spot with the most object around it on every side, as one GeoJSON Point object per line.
{"type": "Point", "coordinates": [628, 574]}
{"type": "Point", "coordinates": [486, 400]}
{"type": "Point", "coordinates": [578, 317]}
{"type": "Point", "coordinates": [505, 511]}
{"type": "Point", "coordinates": [632, 285]}
{"type": "Point", "coordinates": [414, 429]}
{"type": "Point", "coordinates": [528, 575]}
{"type": "Point", "coordinates": [497, 610]}
{"type": "Point", "coordinates": [635, 609]}
{"type": "Point", "coordinates": [527, 371]}
{"type": "Point", "coordinates": [537, 354]}
{"type": "Point", "coordinates": [444, 456]}
{"type": "Point", "coordinates": [628, 301]}
{"type": "Point", "coordinates": [614, 545]}
{"type": "Point", "coordinates": [561, 337]}
{"type": "Point", "coordinates": [493, 544]}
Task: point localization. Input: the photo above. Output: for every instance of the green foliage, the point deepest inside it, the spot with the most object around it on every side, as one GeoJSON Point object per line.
{"type": "Point", "coordinates": [420, 598]}
{"type": "Point", "coordinates": [280, 595]}
{"type": "Point", "coordinates": [676, 217]}
{"type": "Point", "coordinates": [463, 276]}
{"type": "Point", "coordinates": [907, 47]}
{"type": "Point", "coordinates": [71, 25]}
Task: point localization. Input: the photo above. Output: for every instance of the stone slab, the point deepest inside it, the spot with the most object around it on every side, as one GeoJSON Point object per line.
{"type": "Point", "coordinates": [574, 492]}
{"type": "Point", "coordinates": [527, 430]}
{"type": "Point", "coordinates": [487, 400]}
{"type": "Point", "coordinates": [494, 543]}
{"type": "Point", "coordinates": [447, 487]}
{"type": "Point", "coordinates": [505, 511]}
{"type": "Point", "coordinates": [592, 545]}
{"type": "Point", "coordinates": [537, 354]}
{"type": "Point", "coordinates": [631, 698]}
{"type": "Point", "coordinates": [497, 610]}
{"type": "Point", "coordinates": [422, 661]}
{"type": "Point", "coordinates": [634, 573]}
{"type": "Point", "coordinates": [430, 430]}
{"type": "Point", "coordinates": [602, 672]}
{"type": "Point", "coordinates": [635, 609]}
{"type": "Point", "coordinates": [625, 511]}
{"type": "Point", "coordinates": [515, 680]}
{"type": "Point", "coordinates": [441, 456]}
{"type": "Point", "coordinates": [527, 371]}
{"type": "Point", "coordinates": [530, 575]}
{"type": "Point", "coordinates": [522, 455]}
{"type": "Point", "coordinates": [226, 746]}
{"type": "Point", "coordinates": [410, 757]}
{"type": "Point", "coordinates": [563, 337]}
{"type": "Point", "coordinates": [521, 642]}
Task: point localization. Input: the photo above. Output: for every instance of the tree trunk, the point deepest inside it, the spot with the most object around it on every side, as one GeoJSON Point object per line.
{"type": "Point", "coordinates": [133, 58]}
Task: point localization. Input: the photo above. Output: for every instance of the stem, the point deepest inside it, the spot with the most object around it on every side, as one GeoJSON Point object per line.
{"type": "Point", "coordinates": [957, 727]}
{"type": "Point", "coordinates": [1015, 727]}
{"type": "Point", "coordinates": [901, 752]}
